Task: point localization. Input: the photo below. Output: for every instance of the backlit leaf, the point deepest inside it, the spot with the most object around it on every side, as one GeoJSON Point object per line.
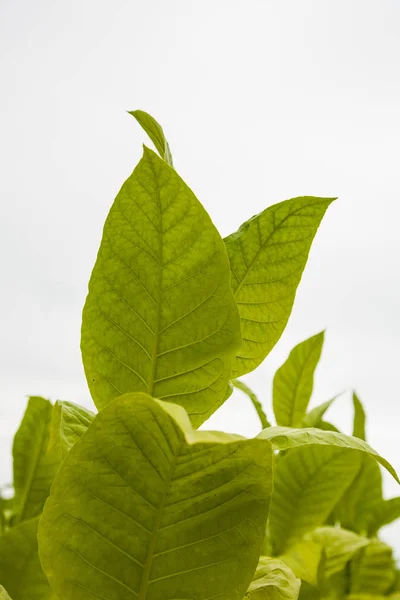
{"type": "Point", "coordinates": [308, 483]}
{"type": "Point", "coordinates": [69, 422]}
{"type": "Point", "coordinates": [160, 316]}
{"type": "Point", "coordinates": [383, 513]}
{"type": "Point", "coordinates": [155, 133]}
{"type": "Point", "coordinates": [284, 438]}
{"type": "Point", "coordinates": [373, 571]}
{"type": "Point", "coordinates": [267, 256]}
{"type": "Point", "coordinates": [20, 570]}
{"type": "Point", "coordinates": [34, 467]}
{"type": "Point", "coordinates": [145, 507]}
{"type": "Point", "coordinates": [273, 580]}
{"type": "Point", "coordinates": [359, 418]}
{"type": "Point", "coordinates": [294, 381]}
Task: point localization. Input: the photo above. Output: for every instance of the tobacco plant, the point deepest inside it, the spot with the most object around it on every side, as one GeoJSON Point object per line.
{"type": "Point", "coordinates": [137, 502]}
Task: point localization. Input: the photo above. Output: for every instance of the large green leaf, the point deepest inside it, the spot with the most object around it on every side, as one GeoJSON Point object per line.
{"type": "Point", "coordinates": [155, 133]}
{"type": "Point", "coordinates": [34, 467]}
{"type": "Point", "coordinates": [160, 316]}
{"type": "Point", "coordinates": [268, 255]}
{"type": "Point", "coordinates": [284, 438]}
{"type": "Point", "coordinates": [308, 483]}
{"type": "Point", "coordinates": [294, 381]}
{"type": "Point", "coordinates": [20, 570]}
{"type": "Point", "coordinates": [373, 571]}
{"type": "Point", "coordinates": [145, 507]}
{"type": "Point", "coordinates": [273, 580]}
{"type": "Point", "coordinates": [355, 508]}
{"type": "Point", "coordinates": [69, 422]}
{"type": "Point", "coordinates": [240, 385]}
{"type": "Point", "coordinates": [359, 418]}
{"type": "Point", "coordinates": [383, 513]}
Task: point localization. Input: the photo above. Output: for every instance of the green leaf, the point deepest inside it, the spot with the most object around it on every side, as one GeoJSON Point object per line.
{"type": "Point", "coordinates": [326, 426]}
{"type": "Point", "coordinates": [255, 401]}
{"type": "Point", "coordinates": [69, 422]}
{"type": "Point", "coordinates": [294, 381]}
{"type": "Point", "coordinates": [339, 546]}
{"type": "Point", "coordinates": [383, 513]}
{"type": "Point", "coordinates": [273, 580]}
{"type": "Point", "coordinates": [143, 506]}
{"type": "Point", "coordinates": [3, 594]}
{"type": "Point", "coordinates": [268, 255]}
{"type": "Point", "coordinates": [34, 468]}
{"type": "Point", "coordinates": [308, 483]}
{"type": "Point", "coordinates": [355, 508]}
{"type": "Point", "coordinates": [314, 417]}
{"type": "Point", "coordinates": [304, 559]}
{"type": "Point", "coordinates": [373, 571]}
{"type": "Point", "coordinates": [160, 316]}
{"type": "Point", "coordinates": [20, 570]}
{"type": "Point", "coordinates": [359, 418]}
{"type": "Point", "coordinates": [155, 133]}
{"type": "Point", "coordinates": [284, 438]}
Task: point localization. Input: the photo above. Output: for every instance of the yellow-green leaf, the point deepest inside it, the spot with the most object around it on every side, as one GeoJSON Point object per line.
{"type": "Point", "coordinates": [155, 133]}
{"type": "Point", "coordinates": [146, 507]}
{"type": "Point", "coordinates": [273, 580]}
{"type": "Point", "coordinates": [294, 381]}
{"type": "Point", "coordinates": [267, 256]}
{"type": "Point", "coordinates": [160, 316]}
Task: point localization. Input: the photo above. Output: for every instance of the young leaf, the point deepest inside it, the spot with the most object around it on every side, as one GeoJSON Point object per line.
{"type": "Point", "coordinates": [143, 506]}
{"type": "Point", "coordinates": [326, 426]}
{"type": "Point", "coordinates": [34, 468]}
{"type": "Point", "coordinates": [383, 513]}
{"type": "Point", "coordinates": [314, 417]}
{"type": "Point", "coordinates": [308, 483]}
{"type": "Point", "coordinates": [294, 381]}
{"type": "Point", "coordinates": [283, 438]}
{"type": "Point", "coordinates": [255, 401]}
{"type": "Point", "coordinates": [273, 580]}
{"type": "Point", "coordinates": [359, 418]}
{"type": "Point", "coordinates": [268, 255]}
{"type": "Point", "coordinates": [3, 594]}
{"type": "Point", "coordinates": [155, 133]}
{"type": "Point", "coordinates": [373, 572]}
{"type": "Point", "coordinates": [69, 422]}
{"type": "Point", "coordinates": [160, 316]}
{"type": "Point", "coordinates": [20, 570]}
{"type": "Point", "coordinates": [357, 505]}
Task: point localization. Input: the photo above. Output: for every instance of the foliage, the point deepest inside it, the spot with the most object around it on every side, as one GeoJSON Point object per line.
{"type": "Point", "coordinates": [142, 503]}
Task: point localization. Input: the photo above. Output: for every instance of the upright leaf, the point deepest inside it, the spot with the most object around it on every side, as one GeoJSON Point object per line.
{"type": "Point", "coordinates": [160, 316]}
{"type": "Point", "coordinates": [20, 570]}
{"type": "Point", "coordinates": [284, 438]}
{"type": "Point", "coordinates": [268, 255]}
{"type": "Point", "coordinates": [304, 557]}
{"type": "Point", "coordinates": [315, 416]}
{"type": "Point", "coordinates": [34, 467]}
{"type": "Point", "coordinates": [143, 506]}
{"type": "Point", "coordinates": [273, 580]}
{"type": "Point", "coordinates": [359, 418]}
{"type": "Point", "coordinates": [383, 513]}
{"type": "Point", "coordinates": [155, 133]}
{"type": "Point", "coordinates": [373, 571]}
{"type": "Point", "coordinates": [240, 385]}
{"type": "Point", "coordinates": [294, 381]}
{"type": "Point", "coordinates": [69, 422]}
{"type": "Point", "coordinates": [308, 483]}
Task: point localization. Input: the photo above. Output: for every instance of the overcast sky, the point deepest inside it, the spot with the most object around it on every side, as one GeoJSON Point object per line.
{"type": "Point", "coordinates": [261, 101]}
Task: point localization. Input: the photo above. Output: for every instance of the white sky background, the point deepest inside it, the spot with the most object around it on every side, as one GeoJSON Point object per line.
{"type": "Point", "coordinates": [261, 101]}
